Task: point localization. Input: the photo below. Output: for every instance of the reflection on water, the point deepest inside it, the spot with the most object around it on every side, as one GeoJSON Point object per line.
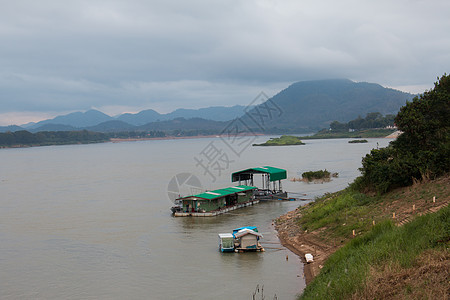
{"type": "Point", "coordinates": [93, 221]}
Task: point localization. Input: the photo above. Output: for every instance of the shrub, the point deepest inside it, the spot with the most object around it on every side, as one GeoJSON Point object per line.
{"type": "Point", "coordinates": [311, 175]}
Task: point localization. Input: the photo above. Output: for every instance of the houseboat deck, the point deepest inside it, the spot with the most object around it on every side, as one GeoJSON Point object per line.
{"type": "Point", "coordinates": [216, 202]}
{"type": "Point", "coordinates": [271, 182]}
{"type": "Point", "coordinates": [217, 211]}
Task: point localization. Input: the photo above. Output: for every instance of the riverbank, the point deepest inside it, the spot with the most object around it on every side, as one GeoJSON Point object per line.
{"type": "Point", "coordinates": [119, 140]}
{"type": "Point", "coordinates": [301, 243]}
{"type": "Point", "coordinates": [116, 140]}
{"type": "Point", "coordinates": [325, 235]}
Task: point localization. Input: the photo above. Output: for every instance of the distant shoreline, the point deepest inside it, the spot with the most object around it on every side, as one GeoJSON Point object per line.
{"type": "Point", "coordinates": [120, 140]}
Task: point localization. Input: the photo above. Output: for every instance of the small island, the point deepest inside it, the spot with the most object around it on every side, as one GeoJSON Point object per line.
{"type": "Point", "coordinates": [284, 140]}
{"type": "Point", "coordinates": [319, 176]}
{"type": "Point", "coordinates": [357, 141]}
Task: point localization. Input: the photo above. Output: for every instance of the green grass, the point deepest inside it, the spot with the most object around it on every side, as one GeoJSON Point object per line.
{"type": "Point", "coordinates": [345, 272]}
{"type": "Point", "coordinates": [334, 210]}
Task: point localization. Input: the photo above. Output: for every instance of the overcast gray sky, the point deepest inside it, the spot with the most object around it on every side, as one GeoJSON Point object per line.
{"type": "Point", "coordinates": [124, 56]}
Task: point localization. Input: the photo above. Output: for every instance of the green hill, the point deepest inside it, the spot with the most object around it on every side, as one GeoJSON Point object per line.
{"type": "Point", "coordinates": [313, 105]}
{"type": "Point", "coordinates": [387, 235]}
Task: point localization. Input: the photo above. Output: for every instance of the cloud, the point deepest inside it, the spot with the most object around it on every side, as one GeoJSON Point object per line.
{"type": "Point", "coordinates": [62, 56]}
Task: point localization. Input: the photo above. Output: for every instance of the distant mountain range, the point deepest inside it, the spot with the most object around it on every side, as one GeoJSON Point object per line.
{"type": "Point", "coordinates": [216, 113]}
{"type": "Point", "coordinates": [97, 121]}
{"type": "Point", "coordinates": [303, 106]}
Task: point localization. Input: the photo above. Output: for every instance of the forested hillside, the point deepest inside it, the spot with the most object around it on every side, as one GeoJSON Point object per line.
{"type": "Point", "coordinates": [313, 105]}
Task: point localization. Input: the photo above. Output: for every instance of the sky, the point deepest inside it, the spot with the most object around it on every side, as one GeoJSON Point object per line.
{"type": "Point", "coordinates": [58, 57]}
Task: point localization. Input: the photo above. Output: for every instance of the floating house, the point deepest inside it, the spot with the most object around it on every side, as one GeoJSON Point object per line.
{"type": "Point", "coordinates": [270, 181]}
{"type": "Point", "coordinates": [241, 240]}
{"type": "Point", "coordinates": [247, 239]}
{"type": "Point", "coordinates": [212, 203]}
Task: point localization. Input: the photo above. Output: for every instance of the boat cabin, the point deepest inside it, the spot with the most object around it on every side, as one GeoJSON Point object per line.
{"type": "Point", "coordinates": [254, 228]}
{"type": "Point", "coordinates": [247, 240]}
{"type": "Point", "coordinates": [226, 242]}
{"type": "Point", "coordinates": [216, 201]}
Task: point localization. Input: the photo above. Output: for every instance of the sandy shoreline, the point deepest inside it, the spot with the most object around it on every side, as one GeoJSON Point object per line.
{"type": "Point", "coordinates": [299, 242]}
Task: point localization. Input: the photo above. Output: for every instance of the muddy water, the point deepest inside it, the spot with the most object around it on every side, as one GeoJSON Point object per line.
{"type": "Point", "coordinates": [93, 221]}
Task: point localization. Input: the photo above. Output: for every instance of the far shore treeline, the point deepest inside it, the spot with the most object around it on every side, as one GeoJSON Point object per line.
{"type": "Point", "coordinates": [24, 138]}
{"type": "Point", "coordinates": [372, 120]}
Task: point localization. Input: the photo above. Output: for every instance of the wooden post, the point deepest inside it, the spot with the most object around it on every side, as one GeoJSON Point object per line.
{"type": "Point", "coordinates": [373, 222]}
{"type": "Point", "coordinates": [414, 207]}
{"type": "Point", "coordinates": [434, 199]}
{"type": "Point", "coordinates": [393, 215]}
{"type": "Point", "coordinates": [354, 232]}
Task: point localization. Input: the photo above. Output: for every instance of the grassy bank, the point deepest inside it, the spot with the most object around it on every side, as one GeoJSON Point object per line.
{"type": "Point", "coordinates": [336, 215]}
{"type": "Point", "coordinates": [367, 245]}
{"type": "Point", "coordinates": [385, 246]}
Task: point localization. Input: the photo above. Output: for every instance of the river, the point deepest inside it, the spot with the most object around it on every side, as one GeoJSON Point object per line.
{"type": "Point", "coordinates": [93, 221]}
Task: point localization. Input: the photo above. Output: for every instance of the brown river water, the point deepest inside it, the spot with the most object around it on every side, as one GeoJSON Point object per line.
{"type": "Point", "coordinates": [93, 221]}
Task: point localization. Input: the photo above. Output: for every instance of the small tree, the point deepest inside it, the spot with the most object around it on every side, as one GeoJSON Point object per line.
{"type": "Point", "coordinates": [425, 123]}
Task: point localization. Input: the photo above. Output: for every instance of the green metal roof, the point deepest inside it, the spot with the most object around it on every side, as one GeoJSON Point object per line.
{"type": "Point", "coordinates": [274, 173]}
{"type": "Point", "coordinates": [209, 195]}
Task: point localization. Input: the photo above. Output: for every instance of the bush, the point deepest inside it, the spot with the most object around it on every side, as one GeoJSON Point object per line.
{"type": "Point", "coordinates": [311, 175]}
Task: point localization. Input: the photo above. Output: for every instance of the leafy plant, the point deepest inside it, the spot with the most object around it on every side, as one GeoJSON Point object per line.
{"type": "Point", "coordinates": [311, 175]}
